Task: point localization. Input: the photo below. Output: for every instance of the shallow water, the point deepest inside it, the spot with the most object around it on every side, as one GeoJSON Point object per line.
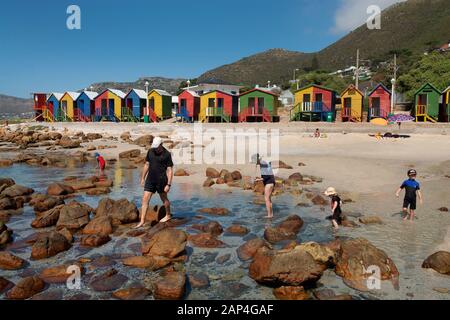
{"type": "Point", "coordinates": [407, 244]}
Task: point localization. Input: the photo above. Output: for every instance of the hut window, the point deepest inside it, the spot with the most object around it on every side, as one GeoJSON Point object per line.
{"type": "Point", "coordinates": [211, 102]}
{"type": "Point", "coordinates": [318, 97]}
{"type": "Point", "coordinates": [251, 102]}
{"type": "Point", "coordinates": [347, 102]}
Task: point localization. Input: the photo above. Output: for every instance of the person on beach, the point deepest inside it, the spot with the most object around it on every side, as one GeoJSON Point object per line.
{"type": "Point", "coordinates": [268, 179]}
{"type": "Point", "coordinates": [336, 210]}
{"type": "Point", "coordinates": [412, 190]}
{"type": "Point", "coordinates": [101, 163]}
{"type": "Point", "coordinates": [157, 177]}
{"type": "Point", "coordinates": [317, 133]}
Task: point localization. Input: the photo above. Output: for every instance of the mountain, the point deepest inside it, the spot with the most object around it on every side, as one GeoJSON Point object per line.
{"type": "Point", "coordinates": [170, 85]}
{"type": "Point", "coordinates": [407, 28]}
{"type": "Point", "coordinates": [13, 105]}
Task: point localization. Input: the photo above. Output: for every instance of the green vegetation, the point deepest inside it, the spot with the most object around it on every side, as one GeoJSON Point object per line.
{"type": "Point", "coordinates": [433, 68]}
{"type": "Point", "coordinates": [324, 79]}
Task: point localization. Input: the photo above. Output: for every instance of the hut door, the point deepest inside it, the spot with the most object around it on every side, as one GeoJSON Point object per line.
{"type": "Point", "coordinates": [111, 107]}
{"type": "Point", "coordinates": [318, 102]}
{"type": "Point", "coordinates": [251, 105]}
{"type": "Point", "coordinates": [50, 106]}
{"type": "Point", "coordinates": [81, 105]}
{"type": "Point", "coordinates": [152, 104]}
{"type": "Point", "coordinates": [104, 107]}
{"type": "Point", "coordinates": [347, 107]}
{"type": "Point", "coordinates": [376, 106]}
{"type": "Point", "coordinates": [211, 105]}
{"type": "Point", "coordinates": [64, 107]}
{"type": "Point", "coordinates": [182, 105]}
{"type": "Point", "coordinates": [423, 99]}
{"type": "Point", "coordinates": [260, 106]}
{"type": "Point", "coordinates": [92, 108]}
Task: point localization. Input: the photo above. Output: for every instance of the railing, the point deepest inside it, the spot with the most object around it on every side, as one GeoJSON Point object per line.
{"type": "Point", "coordinates": [48, 116]}
{"type": "Point", "coordinates": [314, 106]}
{"type": "Point", "coordinates": [255, 112]}
{"type": "Point", "coordinates": [214, 111]}
{"type": "Point", "coordinates": [79, 116]}
{"type": "Point", "coordinates": [347, 112]}
{"type": "Point", "coordinates": [183, 114]}
{"type": "Point", "coordinates": [377, 112]}
{"type": "Point", "coordinates": [63, 116]}
{"type": "Point", "coordinates": [421, 110]}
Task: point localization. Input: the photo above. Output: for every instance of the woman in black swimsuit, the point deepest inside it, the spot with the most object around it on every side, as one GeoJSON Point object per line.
{"type": "Point", "coordinates": [268, 179]}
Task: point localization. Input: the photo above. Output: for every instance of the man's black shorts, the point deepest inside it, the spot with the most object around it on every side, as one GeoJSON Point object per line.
{"type": "Point", "coordinates": [153, 187]}
{"type": "Point", "coordinates": [409, 202]}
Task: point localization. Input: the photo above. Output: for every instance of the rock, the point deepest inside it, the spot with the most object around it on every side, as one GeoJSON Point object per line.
{"type": "Point", "coordinates": [443, 209]}
{"type": "Point", "coordinates": [296, 177]}
{"type": "Point", "coordinates": [321, 253]}
{"type": "Point", "coordinates": [93, 136]}
{"type": "Point", "coordinates": [354, 259]}
{"type": "Point", "coordinates": [370, 220]}
{"type": "Point", "coordinates": [139, 293]}
{"type": "Point", "coordinates": [247, 183]}
{"type": "Point", "coordinates": [301, 164]}
{"type": "Point", "coordinates": [9, 261]}
{"type": "Point", "coordinates": [181, 173]}
{"type": "Point", "coordinates": [318, 200]}
{"type": "Point", "coordinates": [5, 234]}
{"type": "Point", "coordinates": [167, 243]}
{"type": "Point", "coordinates": [208, 183]}
{"type": "Point", "coordinates": [171, 287]}
{"type": "Point", "coordinates": [8, 182]}
{"type": "Point", "coordinates": [144, 141]}
{"type": "Point", "coordinates": [438, 261]}
{"type": "Point", "coordinates": [214, 228]}
{"type": "Point", "coordinates": [147, 262]}
{"type": "Point", "coordinates": [100, 225]}
{"type": "Point", "coordinates": [95, 240]}
{"type": "Point", "coordinates": [81, 184]}
{"type": "Point", "coordinates": [7, 204]}
{"type": "Point", "coordinates": [292, 223]}
{"type": "Point", "coordinates": [223, 259]}
{"type": "Point", "coordinates": [237, 230]}
{"type": "Point", "coordinates": [286, 267]}
{"type": "Point", "coordinates": [58, 274]}
{"type": "Point", "coordinates": [47, 219]}
{"type": "Point", "coordinates": [66, 234]}
{"type": "Point", "coordinates": [91, 148]}
{"type": "Point", "coordinates": [49, 245]}
{"type": "Point", "coordinates": [68, 143]}
{"type": "Point", "coordinates": [258, 187]}
{"type": "Point", "coordinates": [16, 190]}
{"type": "Point", "coordinates": [53, 295]}
{"type": "Point", "coordinates": [108, 281]}
{"type": "Point", "coordinates": [42, 202]}
{"type": "Point", "coordinates": [220, 180]}
{"type": "Point", "coordinates": [437, 289]}
{"type": "Point", "coordinates": [274, 235]}
{"type": "Point", "coordinates": [236, 175]}
{"type": "Point", "coordinates": [126, 136]}
{"type": "Point", "coordinates": [5, 285]}
{"type": "Point", "coordinates": [106, 183]}
{"type": "Point", "coordinates": [130, 154]}
{"type": "Point", "coordinates": [212, 173]}
{"type": "Point", "coordinates": [291, 293]}
{"type": "Point", "coordinates": [5, 163]}
{"type": "Point", "coordinates": [73, 216]}
{"type": "Point", "coordinates": [280, 165]}
{"type": "Point", "coordinates": [248, 250]}
{"type": "Point", "coordinates": [349, 223]}
{"type": "Point", "coordinates": [98, 191]}
{"type": "Point", "coordinates": [121, 211]}
{"type": "Point", "coordinates": [26, 288]}
{"type": "Point", "coordinates": [198, 280]}
{"type": "Point", "coordinates": [205, 240]}
{"type": "Point", "coordinates": [59, 189]}
{"type": "Point", "coordinates": [214, 211]}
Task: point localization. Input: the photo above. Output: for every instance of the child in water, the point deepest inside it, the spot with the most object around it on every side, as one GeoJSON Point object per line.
{"type": "Point", "coordinates": [101, 163]}
{"type": "Point", "coordinates": [336, 211]}
{"type": "Point", "coordinates": [412, 190]}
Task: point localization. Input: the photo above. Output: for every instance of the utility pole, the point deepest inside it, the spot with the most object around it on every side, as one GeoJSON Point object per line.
{"type": "Point", "coordinates": [357, 70]}
{"type": "Point", "coordinates": [393, 81]}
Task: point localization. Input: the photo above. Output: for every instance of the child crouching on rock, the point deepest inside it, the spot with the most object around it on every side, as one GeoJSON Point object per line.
{"type": "Point", "coordinates": [336, 211]}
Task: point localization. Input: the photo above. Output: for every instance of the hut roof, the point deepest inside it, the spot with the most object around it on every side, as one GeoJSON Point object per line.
{"type": "Point", "coordinates": [428, 84]}
{"type": "Point", "coordinates": [380, 85]}
{"type": "Point", "coordinates": [161, 92]}
{"type": "Point", "coordinates": [260, 90]}
{"type": "Point", "coordinates": [314, 85]}
{"type": "Point", "coordinates": [118, 93]}
{"type": "Point", "coordinates": [73, 95]}
{"type": "Point", "coordinates": [57, 95]}
{"type": "Point", "coordinates": [90, 94]}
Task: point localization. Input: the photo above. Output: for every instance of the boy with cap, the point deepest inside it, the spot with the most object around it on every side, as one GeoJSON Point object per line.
{"type": "Point", "coordinates": [412, 190]}
{"type": "Point", "coordinates": [101, 163]}
{"type": "Point", "coordinates": [157, 177]}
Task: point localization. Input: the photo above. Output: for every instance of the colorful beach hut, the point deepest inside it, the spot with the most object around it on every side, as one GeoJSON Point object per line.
{"type": "Point", "coordinates": [188, 106]}
{"type": "Point", "coordinates": [258, 105]}
{"type": "Point", "coordinates": [85, 103]}
{"type": "Point", "coordinates": [53, 104]}
{"type": "Point", "coordinates": [352, 101]}
{"type": "Point", "coordinates": [135, 104]}
{"type": "Point", "coordinates": [379, 102]}
{"type": "Point", "coordinates": [446, 105]}
{"type": "Point", "coordinates": [40, 107]}
{"type": "Point", "coordinates": [314, 103]}
{"type": "Point", "coordinates": [160, 103]}
{"type": "Point", "coordinates": [427, 103]}
{"type": "Point", "coordinates": [108, 105]}
{"type": "Point", "coordinates": [218, 106]}
{"type": "Point", "coordinates": [67, 106]}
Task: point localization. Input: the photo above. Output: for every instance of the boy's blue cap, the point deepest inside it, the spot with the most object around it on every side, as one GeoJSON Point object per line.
{"type": "Point", "coordinates": [97, 154]}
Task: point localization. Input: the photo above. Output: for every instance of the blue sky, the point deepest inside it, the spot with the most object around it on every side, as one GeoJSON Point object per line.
{"type": "Point", "coordinates": [125, 40]}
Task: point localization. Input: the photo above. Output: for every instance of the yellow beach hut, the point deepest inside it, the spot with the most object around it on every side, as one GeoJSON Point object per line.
{"type": "Point", "coordinates": [67, 106]}
{"type": "Point", "coordinates": [352, 101]}
{"type": "Point", "coordinates": [160, 103]}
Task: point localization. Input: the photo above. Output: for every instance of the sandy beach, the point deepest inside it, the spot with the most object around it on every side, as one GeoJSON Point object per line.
{"type": "Point", "coordinates": [365, 171]}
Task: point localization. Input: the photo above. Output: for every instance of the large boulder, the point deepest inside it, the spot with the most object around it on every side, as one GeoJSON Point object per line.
{"type": "Point", "coordinates": [121, 211]}
{"type": "Point", "coordinates": [438, 261]}
{"type": "Point", "coordinates": [212, 173]}
{"type": "Point", "coordinates": [215, 211]}
{"type": "Point", "coordinates": [26, 288]}
{"type": "Point", "coordinates": [59, 189]}
{"type": "Point", "coordinates": [214, 228]}
{"type": "Point", "coordinates": [137, 293]}
{"type": "Point", "coordinates": [285, 230]}
{"type": "Point", "coordinates": [6, 182]}
{"type": "Point", "coordinates": [130, 154]}
{"type": "Point", "coordinates": [355, 260]}
{"type": "Point", "coordinates": [48, 245]}
{"type": "Point", "coordinates": [171, 287]}
{"type": "Point", "coordinates": [5, 285]}
{"type": "Point", "coordinates": [294, 267]}
{"type": "Point", "coordinates": [73, 216]}
{"type": "Point", "coordinates": [318, 200]}
{"type": "Point", "coordinates": [167, 243]}
{"type": "Point", "coordinates": [144, 141]}
{"type": "Point", "coordinates": [248, 250]}
{"type": "Point", "coordinates": [181, 173]}
{"type": "Point", "coordinates": [236, 229]}
{"type": "Point", "coordinates": [5, 234]}
{"type": "Point", "coordinates": [81, 184]}
{"type": "Point", "coordinates": [48, 218]}
{"type": "Point", "coordinates": [321, 253]}
{"type": "Point", "coordinates": [209, 182]}
{"type": "Point", "coordinates": [57, 274]}
{"type": "Point", "coordinates": [43, 202]}
{"type": "Point", "coordinates": [147, 262]}
{"type": "Point", "coordinates": [8, 204]}
{"type": "Point", "coordinates": [99, 225]}
{"type": "Point", "coordinates": [291, 293]}
{"type": "Point", "coordinates": [108, 281]}
{"type": "Point", "coordinates": [95, 240]}
{"type": "Point", "coordinates": [93, 136]}
{"type": "Point", "coordinates": [205, 240]}
{"type": "Point", "coordinates": [9, 261]}
{"type": "Point", "coordinates": [16, 190]}
{"type": "Point", "coordinates": [68, 143]}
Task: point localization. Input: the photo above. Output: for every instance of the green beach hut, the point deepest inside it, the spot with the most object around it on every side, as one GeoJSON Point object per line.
{"type": "Point", "coordinates": [258, 105]}
{"type": "Point", "coordinates": [427, 100]}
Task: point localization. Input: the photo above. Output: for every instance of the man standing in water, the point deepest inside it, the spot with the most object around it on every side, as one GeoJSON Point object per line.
{"type": "Point", "coordinates": [157, 177]}
{"type": "Point", "coordinates": [268, 179]}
